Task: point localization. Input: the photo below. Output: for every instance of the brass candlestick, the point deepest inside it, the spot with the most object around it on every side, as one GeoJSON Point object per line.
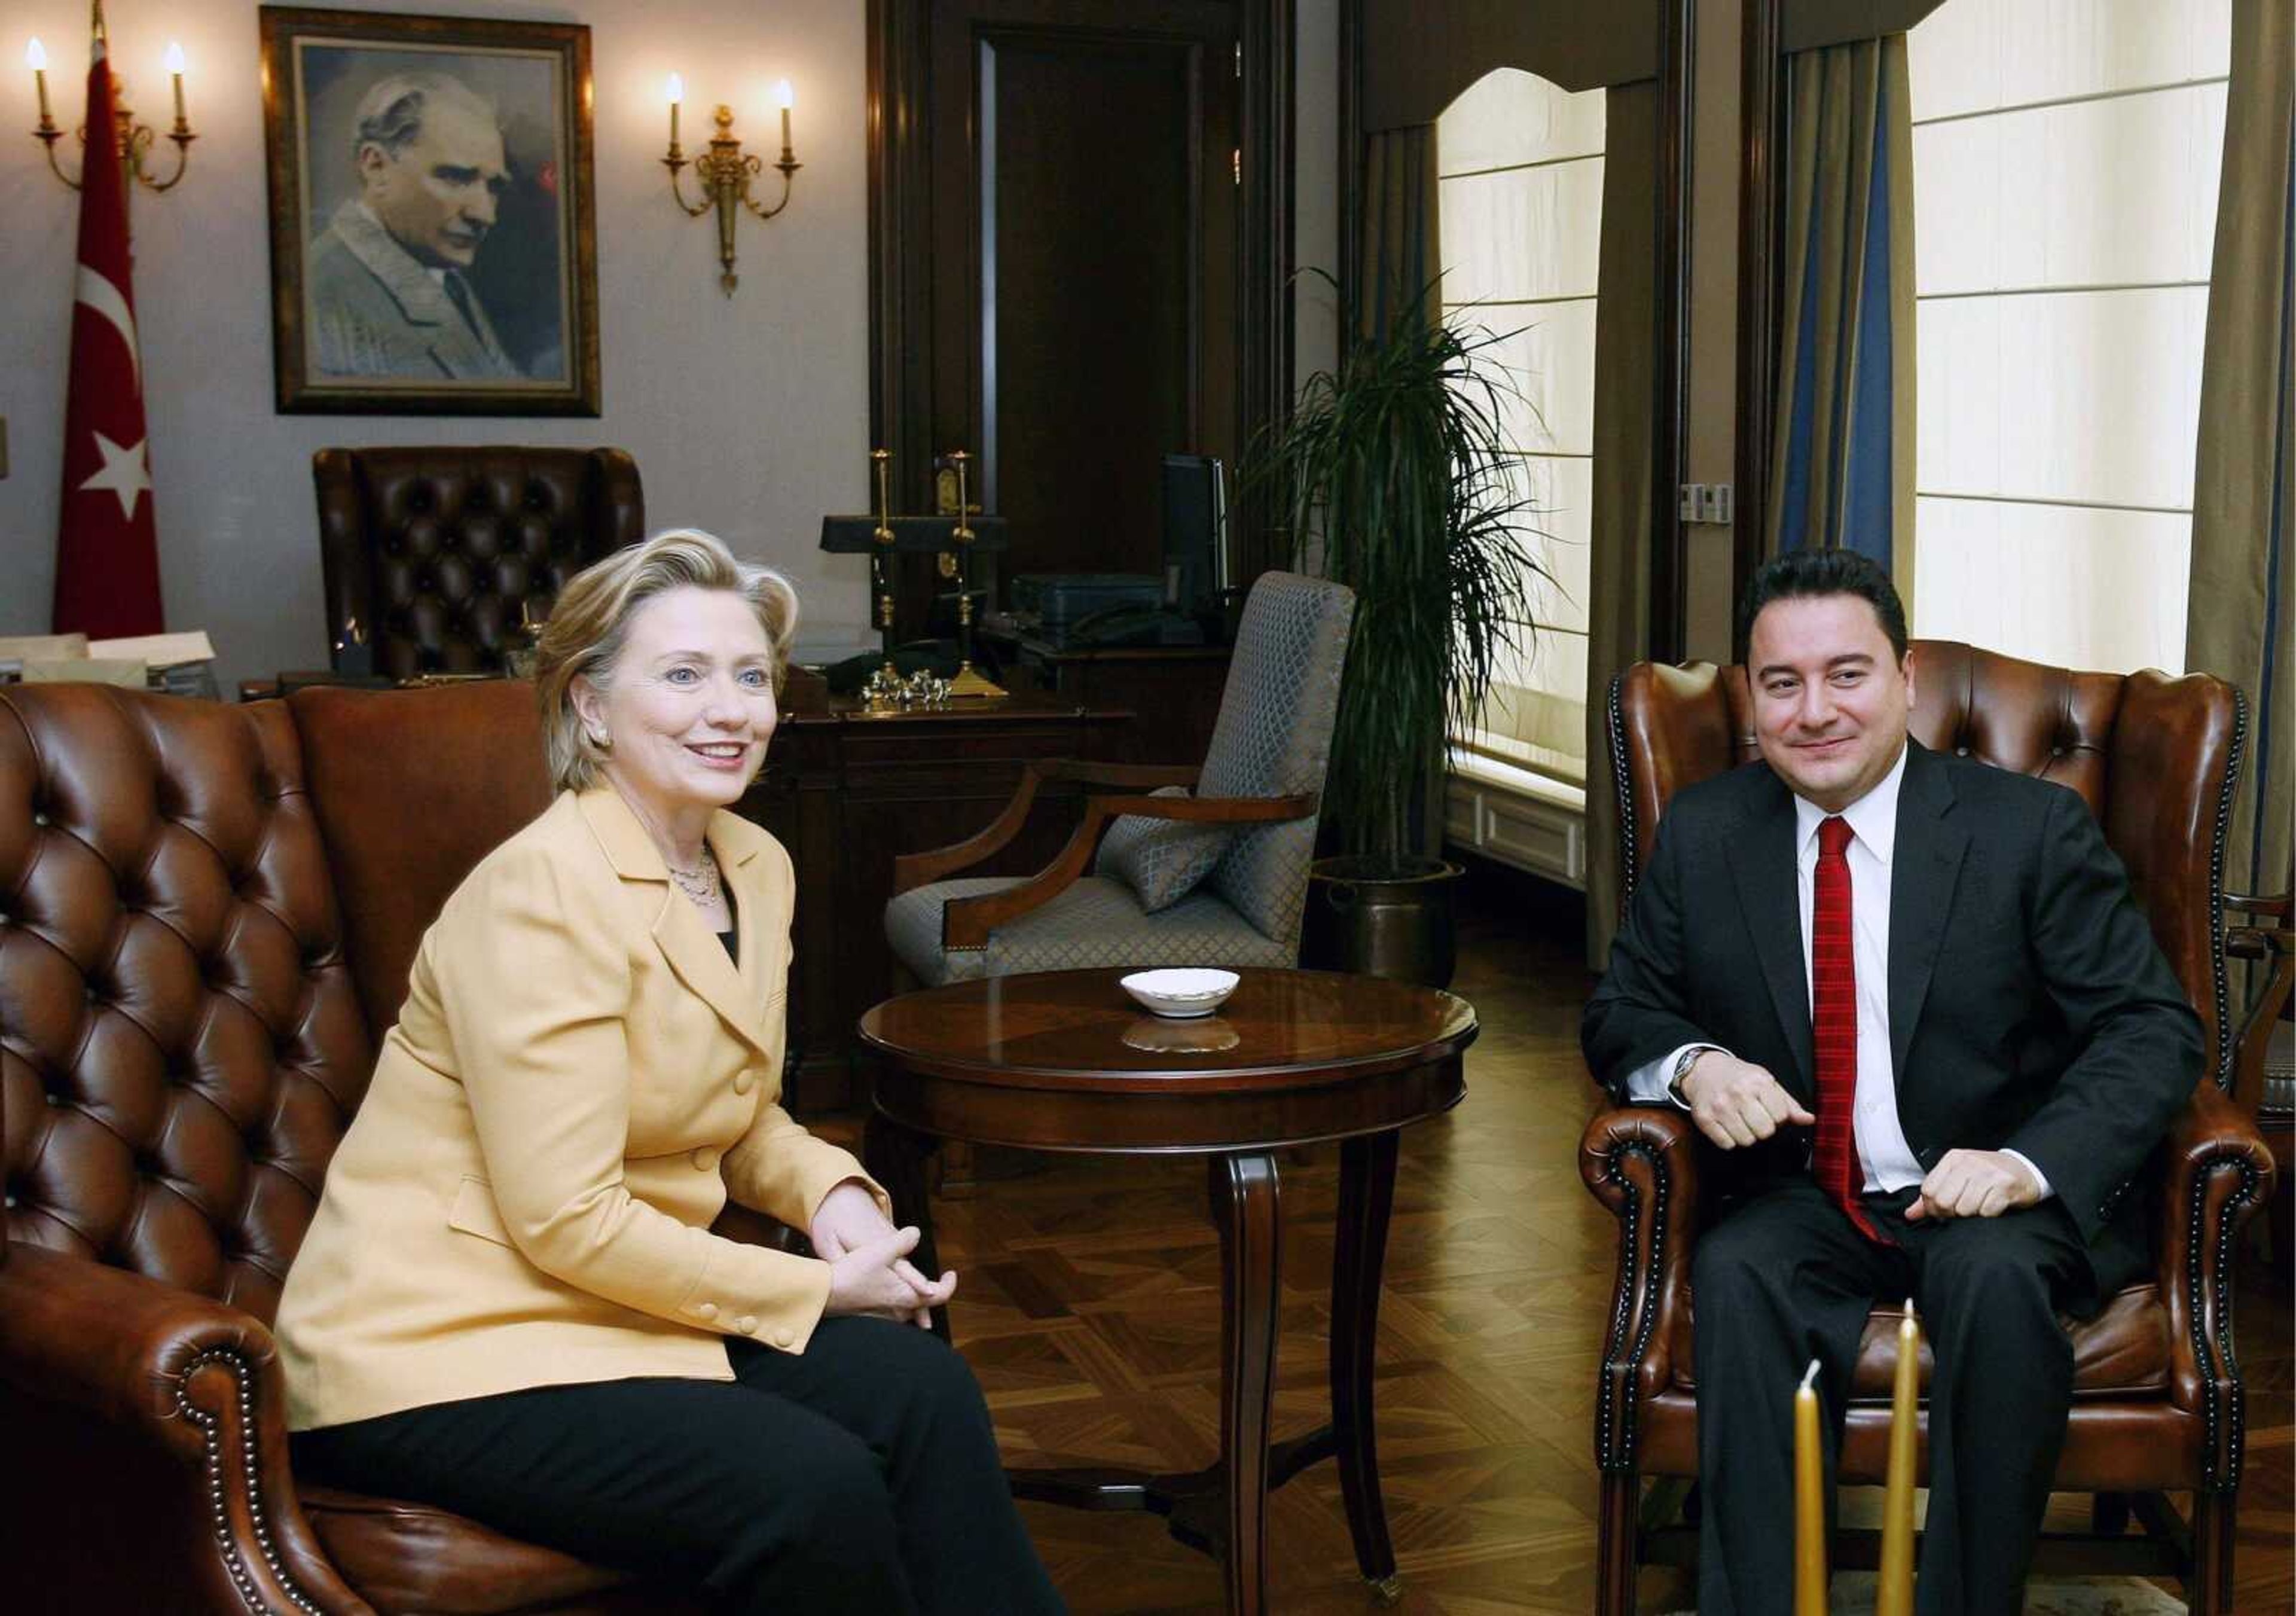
{"type": "Point", "coordinates": [882, 689]}
{"type": "Point", "coordinates": [968, 680]}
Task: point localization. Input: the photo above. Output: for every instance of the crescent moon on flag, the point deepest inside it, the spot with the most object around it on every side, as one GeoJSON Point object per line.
{"type": "Point", "coordinates": [105, 299]}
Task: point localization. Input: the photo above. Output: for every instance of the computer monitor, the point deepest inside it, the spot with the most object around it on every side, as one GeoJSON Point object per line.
{"type": "Point", "coordinates": [1195, 531]}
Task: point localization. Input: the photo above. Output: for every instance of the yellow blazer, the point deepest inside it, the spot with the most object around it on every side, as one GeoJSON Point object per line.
{"type": "Point", "coordinates": [578, 1079]}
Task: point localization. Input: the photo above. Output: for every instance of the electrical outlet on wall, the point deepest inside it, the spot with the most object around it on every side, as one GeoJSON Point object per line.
{"type": "Point", "coordinates": [1705, 501]}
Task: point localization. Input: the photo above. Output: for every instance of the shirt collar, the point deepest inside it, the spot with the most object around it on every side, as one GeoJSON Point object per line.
{"type": "Point", "coordinates": [1873, 817]}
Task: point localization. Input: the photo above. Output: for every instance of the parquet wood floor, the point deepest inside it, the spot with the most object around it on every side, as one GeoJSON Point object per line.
{"type": "Point", "coordinates": [1090, 1308]}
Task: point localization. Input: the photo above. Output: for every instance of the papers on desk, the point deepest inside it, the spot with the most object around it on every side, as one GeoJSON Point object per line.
{"type": "Point", "coordinates": [180, 664]}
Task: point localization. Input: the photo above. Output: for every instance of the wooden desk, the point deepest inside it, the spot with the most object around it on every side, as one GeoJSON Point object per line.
{"type": "Point", "coordinates": [1066, 1062]}
{"type": "Point", "coordinates": [846, 791]}
{"type": "Point", "coordinates": [1174, 690]}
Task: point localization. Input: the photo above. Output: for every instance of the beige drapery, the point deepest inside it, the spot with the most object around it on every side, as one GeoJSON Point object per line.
{"type": "Point", "coordinates": [1618, 608]}
{"type": "Point", "coordinates": [2242, 596]}
{"type": "Point", "coordinates": [1842, 466]}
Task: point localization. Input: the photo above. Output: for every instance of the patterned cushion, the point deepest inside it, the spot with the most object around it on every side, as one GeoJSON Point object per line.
{"type": "Point", "coordinates": [1096, 921]}
{"type": "Point", "coordinates": [1274, 738]}
{"type": "Point", "coordinates": [1161, 860]}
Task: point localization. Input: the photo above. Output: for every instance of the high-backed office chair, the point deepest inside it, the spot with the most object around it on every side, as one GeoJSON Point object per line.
{"type": "Point", "coordinates": [1216, 878]}
{"type": "Point", "coordinates": [207, 918]}
{"type": "Point", "coordinates": [2157, 1395]}
{"type": "Point", "coordinates": [430, 555]}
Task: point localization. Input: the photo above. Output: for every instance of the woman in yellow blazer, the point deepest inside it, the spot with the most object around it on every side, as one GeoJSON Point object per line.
{"type": "Point", "coordinates": [510, 1303]}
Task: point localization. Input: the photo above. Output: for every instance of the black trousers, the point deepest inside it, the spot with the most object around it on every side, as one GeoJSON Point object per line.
{"type": "Point", "coordinates": [1786, 1278]}
{"type": "Point", "coordinates": [859, 1476]}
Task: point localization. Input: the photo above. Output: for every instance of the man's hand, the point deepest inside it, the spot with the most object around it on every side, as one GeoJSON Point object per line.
{"type": "Point", "coordinates": [1975, 1184]}
{"type": "Point", "coordinates": [1734, 1103]}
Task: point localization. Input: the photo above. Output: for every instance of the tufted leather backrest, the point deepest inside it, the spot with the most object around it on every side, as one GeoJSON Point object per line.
{"type": "Point", "coordinates": [431, 552]}
{"type": "Point", "coordinates": [181, 1046]}
{"type": "Point", "coordinates": [2154, 757]}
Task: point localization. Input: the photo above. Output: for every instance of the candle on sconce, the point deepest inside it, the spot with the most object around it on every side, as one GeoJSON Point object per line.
{"type": "Point", "coordinates": [1809, 1501]}
{"type": "Point", "coordinates": [175, 72]}
{"type": "Point", "coordinates": [787, 96]}
{"type": "Point", "coordinates": [677, 91]}
{"type": "Point", "coordinates": [35, 56]}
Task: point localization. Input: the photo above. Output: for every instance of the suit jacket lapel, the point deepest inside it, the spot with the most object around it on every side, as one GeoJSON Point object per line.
{"type": "Point", "coordinates": [693, 951]}
{"type": "Point", "coordinates": [1762, 864]}
{"type": "Point", "coordinates": [1922, 870]}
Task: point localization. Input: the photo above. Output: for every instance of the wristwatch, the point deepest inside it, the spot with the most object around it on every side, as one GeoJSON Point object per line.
{"type": "Point", "coordinates": [1682, 1062]}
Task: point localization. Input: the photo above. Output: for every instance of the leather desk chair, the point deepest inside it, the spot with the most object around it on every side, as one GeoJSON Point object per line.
{"type": "Point", "coordinates": [429, 554]}
{"type": "Point", "coordinates": [2157, 1394]}
{"type": "Point", "coordinates": [207, 918]}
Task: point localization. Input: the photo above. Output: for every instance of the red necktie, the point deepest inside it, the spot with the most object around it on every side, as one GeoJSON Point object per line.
{"type": "Point", "coordinates": [1833, 1019]}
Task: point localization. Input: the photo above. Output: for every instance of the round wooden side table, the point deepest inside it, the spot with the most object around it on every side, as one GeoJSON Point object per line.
{"type": "Point", "coordinates": [1066, 1062]}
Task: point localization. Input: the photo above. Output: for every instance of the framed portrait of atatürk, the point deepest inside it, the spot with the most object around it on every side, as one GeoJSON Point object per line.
{"type": "Point", "coordinates": [433, 215]}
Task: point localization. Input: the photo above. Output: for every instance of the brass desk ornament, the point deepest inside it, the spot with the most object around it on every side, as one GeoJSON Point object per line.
{"type": "Point", "coordinates": [968, 680]}
{"type": "Point", "coordinates": [884, 539]}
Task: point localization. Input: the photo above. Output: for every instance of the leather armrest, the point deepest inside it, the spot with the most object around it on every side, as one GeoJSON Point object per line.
{"type": "Point", "coordinates": [1641, 1161]}
{"type": "Point", "coordinates": [2218, 1172]}
{"type": "Point", "coordinates": [194, 1384]}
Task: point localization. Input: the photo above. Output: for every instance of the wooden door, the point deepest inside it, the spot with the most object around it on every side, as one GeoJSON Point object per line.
{"type": "Point", "coordinates": [1068, 262]}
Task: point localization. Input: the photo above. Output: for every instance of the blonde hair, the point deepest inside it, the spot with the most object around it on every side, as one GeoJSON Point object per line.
{"type": "Point", "coordinates": [586, 630]}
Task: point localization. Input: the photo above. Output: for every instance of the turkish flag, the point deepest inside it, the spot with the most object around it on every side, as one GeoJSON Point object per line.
{"type": "Point", "coordinates": [107, 546]}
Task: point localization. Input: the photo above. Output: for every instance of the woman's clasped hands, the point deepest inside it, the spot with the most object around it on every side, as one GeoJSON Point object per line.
{"type": "Point", "coordinates": [869, 1268]}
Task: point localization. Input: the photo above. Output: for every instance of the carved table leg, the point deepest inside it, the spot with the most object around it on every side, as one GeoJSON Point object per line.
{"type": "Point", "coordinates": [1367, 1197]}
{"type": "Point", "coordinates": [1248, 1207]}
{"type": "Point", "coordinates": [897, 1158]}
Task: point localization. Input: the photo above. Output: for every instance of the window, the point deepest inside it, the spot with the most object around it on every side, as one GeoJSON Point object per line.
{"type": "Point", "coordinates": [1519, 162]}
{"type": "Point", "coordinates": [2065, 171]}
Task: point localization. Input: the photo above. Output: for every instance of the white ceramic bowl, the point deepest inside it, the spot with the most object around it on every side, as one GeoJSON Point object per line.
{"type": "Point", "coordinates": [1181, 992]}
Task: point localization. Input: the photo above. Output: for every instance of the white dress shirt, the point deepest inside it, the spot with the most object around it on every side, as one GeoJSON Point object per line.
{"type": "Point", "coordinates": [1888, 1160]}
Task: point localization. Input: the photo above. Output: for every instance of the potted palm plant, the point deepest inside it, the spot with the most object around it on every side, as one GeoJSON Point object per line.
{"type": "Point", "coordinates": [1391, 477]}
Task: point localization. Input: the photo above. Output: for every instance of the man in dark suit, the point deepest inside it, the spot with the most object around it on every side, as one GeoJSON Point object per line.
{"type": "Point", "coordinates": [1911, 999]}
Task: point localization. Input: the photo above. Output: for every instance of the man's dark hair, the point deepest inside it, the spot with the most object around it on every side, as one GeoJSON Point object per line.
{"type": "Point", "coordinates": [1798, 573]}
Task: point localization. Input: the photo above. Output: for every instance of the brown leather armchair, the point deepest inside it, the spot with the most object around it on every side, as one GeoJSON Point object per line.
{"type": "Point", "coordinates": [429, 554]}
{"type": "Point", "coordinates": [207, 917]}
{"type": "Point", "coordinates": [2157, 1395]}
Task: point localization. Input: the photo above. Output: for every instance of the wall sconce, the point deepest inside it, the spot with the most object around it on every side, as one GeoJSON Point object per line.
{"type": "Point", "coordinates": [725, 174]}
{"type": "Point", "coordinates": [131, 141]}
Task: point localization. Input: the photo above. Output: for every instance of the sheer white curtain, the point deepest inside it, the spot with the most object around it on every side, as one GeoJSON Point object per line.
{"type": "Point", "coordinates": [1520, 167]}
{"type": "Point", "coordinates": [2066, 155]}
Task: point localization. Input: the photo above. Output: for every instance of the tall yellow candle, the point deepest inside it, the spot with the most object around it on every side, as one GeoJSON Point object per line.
{"type": "Point", "coordinates": [36, 54]}
{"type": "Point", "coordinates": [787, 97]}
{"type": "Point", "coordinates": [175, 72]}
{"type": "Point", "coordinates": [1809, 1501]}
{"type": "Point", "coordinates": [1893, 1593]}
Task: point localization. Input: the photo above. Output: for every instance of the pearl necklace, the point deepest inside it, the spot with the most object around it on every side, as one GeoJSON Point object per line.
{"type": "Point", "coordinates": [703, 885]}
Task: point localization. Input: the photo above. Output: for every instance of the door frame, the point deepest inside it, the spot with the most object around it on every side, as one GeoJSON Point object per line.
{"type": "Point", "coordinates": [900, 314]}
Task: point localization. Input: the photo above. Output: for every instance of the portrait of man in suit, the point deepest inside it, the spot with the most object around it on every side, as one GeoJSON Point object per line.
{"type": "Point", "coordinates": [388, 279]}
{"type": "Point", "coordinates": [1909, 1001]}
{"type": "Point", "coordinates": [433, 241]}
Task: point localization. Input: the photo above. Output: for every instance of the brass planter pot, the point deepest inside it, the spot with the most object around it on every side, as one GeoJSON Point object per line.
{"type": "Point", "coordinates": [1366, 916]}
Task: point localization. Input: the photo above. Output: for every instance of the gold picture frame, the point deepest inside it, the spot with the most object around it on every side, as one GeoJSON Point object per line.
{"type": "Point", "coordinates": [433, 215]}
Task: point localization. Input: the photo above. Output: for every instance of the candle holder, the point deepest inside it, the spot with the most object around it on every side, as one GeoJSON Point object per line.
{"type": "Point", "coordinates": [725, 173]}
{"type": "Point", "coordinates": [969, 681]}
{"type": "Point", "coordinates": [132, 142]}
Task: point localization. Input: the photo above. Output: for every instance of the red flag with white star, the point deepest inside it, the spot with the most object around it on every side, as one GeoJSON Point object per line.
{"type": "Point", "coordinates": [107, 545]}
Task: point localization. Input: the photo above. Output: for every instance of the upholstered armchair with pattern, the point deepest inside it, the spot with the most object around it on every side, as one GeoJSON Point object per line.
{"type": "Point", "coordinates": [430, 556]}
{"type": "Point", "coordinates": [2157, 1406]}
{"type": "Point", "coordinates": [1194, 866]}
